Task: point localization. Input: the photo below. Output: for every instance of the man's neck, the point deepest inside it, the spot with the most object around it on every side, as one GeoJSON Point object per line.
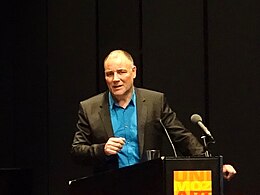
{"type": "Point", "coordinates": [124, 100]}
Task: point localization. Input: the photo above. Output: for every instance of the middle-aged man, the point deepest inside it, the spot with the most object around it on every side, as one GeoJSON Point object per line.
{"type": "Point", "coordinates": [116, 127]}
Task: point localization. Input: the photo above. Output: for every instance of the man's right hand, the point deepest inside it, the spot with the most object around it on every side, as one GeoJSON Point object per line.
{"type": "Point", "coordinates": [114, 145]}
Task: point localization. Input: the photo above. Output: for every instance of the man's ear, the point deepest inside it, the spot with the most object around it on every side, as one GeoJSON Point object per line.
{"type": "Point", "coordinates": [134, 71]}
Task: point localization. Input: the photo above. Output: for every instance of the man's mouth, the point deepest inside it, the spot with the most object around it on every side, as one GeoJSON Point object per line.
{"type": "Point", "coordinates": [117, 86]}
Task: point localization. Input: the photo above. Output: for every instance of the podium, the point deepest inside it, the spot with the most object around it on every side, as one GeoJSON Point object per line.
{"type": "Point", "coordinates": [163, 176]}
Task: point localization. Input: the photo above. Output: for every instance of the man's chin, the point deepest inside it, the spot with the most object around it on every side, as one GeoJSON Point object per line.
{"type": "Point", "coordinates": [118, 93]}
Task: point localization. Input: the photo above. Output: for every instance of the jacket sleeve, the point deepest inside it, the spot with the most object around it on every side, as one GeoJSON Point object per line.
{"type": "Point", "coordinates": [84, 149]}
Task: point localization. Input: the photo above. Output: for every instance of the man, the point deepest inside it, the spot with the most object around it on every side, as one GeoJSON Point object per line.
{"type": "Point", "coordinates": [116, 127]}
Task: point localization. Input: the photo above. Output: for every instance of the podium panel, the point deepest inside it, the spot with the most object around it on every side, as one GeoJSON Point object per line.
{"type": "Point", "coordinates": [193, 176]}
{"type": "Point", "coordinates": [139, 179]}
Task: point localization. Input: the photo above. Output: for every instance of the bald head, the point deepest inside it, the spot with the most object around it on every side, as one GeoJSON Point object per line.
{"type": "Point", "coordinates": [119, 54]}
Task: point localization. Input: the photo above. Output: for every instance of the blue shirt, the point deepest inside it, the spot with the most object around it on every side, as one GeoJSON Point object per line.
{"type": "Point", "coordinates": [124, 123]}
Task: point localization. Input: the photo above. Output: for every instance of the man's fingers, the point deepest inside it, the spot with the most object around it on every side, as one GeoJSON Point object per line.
{"type": "Point", "coordinates": [114, 148]}
{"type": "Point", "coordinates": [110, 152]}
{"type": "Point", "coordinates": [120, 140]}
{"type": "Point", "coordinates": [229, 172]}
{"type": "Point", "coordinates": [111, 149]}
{"type": "Point", "coordinates": [114, 145]}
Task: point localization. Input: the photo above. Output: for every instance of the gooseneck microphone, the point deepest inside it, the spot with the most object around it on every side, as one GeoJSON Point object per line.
{"type": "Point", "coordinates": [169, 138]}
{"type": "Point", "coordinates": [196, 119]}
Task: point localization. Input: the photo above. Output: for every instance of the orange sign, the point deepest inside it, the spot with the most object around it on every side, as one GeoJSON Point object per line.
{"type": "Point", "coordinates": [197, 182]}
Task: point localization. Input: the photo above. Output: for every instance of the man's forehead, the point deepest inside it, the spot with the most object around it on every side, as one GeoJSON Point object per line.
{"type": "Point", "coordinates": [118, 56]}
{"type": "Point", "coordinates": [116, 69]}
{"type": "Point", "coordinates": [118, 63]}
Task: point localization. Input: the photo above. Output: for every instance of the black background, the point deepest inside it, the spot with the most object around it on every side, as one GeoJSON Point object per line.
{"type": "Point", "coordinates": [203, 54]}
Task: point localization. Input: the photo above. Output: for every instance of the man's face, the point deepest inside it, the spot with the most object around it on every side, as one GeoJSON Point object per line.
{"type": "Point", "coordinates": [119, 75]}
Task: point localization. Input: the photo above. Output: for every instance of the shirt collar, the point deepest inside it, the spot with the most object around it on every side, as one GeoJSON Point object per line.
{"type": "Point", "coordinates": [112, 102]}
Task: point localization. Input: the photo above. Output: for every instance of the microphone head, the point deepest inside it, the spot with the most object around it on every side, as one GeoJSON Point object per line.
{"type": "Point", "coordinates": [195, 118]}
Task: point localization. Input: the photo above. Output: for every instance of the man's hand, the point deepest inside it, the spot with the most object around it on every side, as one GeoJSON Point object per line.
{"type": "Point", "coordinates": [114, 145]}
{"type": "Point", "coordinates": [228, 172]}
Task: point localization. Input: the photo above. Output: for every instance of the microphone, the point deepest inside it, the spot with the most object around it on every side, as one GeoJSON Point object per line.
{"type": "Point", "coordinates": [196, 119]}
{"type": "Point", "coordinates": [168, 136]}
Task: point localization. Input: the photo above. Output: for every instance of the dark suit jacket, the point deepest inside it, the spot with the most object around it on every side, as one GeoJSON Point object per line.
{"type": "Point", "coordinates": [94, 129]}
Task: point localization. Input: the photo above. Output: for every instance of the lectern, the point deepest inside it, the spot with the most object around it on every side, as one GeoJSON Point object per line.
{"type": "Point", "coordinates": [163, 176]}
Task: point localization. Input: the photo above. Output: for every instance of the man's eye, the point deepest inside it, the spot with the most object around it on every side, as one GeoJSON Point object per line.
{"type": "Point", "coordinates": [121, 71]}
{"type": "Point", "coordinates": [109, 74]}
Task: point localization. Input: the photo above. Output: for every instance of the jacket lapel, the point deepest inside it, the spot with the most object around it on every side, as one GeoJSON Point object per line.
{"type": "Point", "coordinates": [141, 119]}
{"type": "Point", "coordinates": [105, 115]}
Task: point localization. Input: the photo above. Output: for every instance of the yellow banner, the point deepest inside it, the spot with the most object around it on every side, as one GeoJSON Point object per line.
{"type": "Point", "coordinates": [197, 182]}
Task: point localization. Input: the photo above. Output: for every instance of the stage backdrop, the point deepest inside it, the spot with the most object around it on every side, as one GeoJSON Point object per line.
{"type": "Point", "coordinates": [203, 54]}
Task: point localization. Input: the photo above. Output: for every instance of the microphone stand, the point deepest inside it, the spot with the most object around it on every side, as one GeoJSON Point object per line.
{"type": "Point", "coordinates": [195, 118]}
{"type": "Point", "coordinates": [205, 146]}
{"type": "Point", "coordinates": [207, 153]}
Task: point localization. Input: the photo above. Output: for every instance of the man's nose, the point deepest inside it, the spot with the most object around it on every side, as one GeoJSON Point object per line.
{"type": "Point", "coordinates": [116, 78]}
